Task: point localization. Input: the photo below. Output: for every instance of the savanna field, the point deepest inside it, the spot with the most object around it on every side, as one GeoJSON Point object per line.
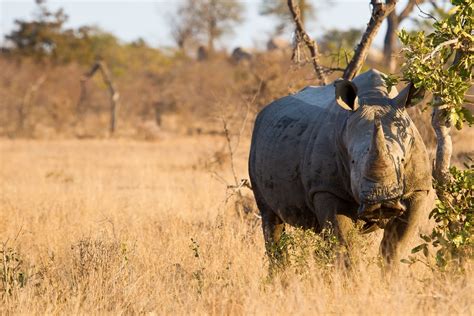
{"type": "Point", "coordinates": [124, 162]}
{"type": "Point", "coordinates": [122, 226]}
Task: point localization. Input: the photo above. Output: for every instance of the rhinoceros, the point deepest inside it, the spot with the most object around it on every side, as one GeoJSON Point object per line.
{"type": "Point", "coordinates": [332, 155]}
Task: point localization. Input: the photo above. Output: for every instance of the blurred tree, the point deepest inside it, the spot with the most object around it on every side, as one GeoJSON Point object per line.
{"type": "Point", "coordinates": [45, 38]}
{"type": "Point", "coordinates": [38, 37]}
{"type": "Point", "coordinates": [393, 22]}
{"type": "Point", "coordinates": [334, 40]}
{"type": "Point", "coordinates": [205, 20]}
{"type": "Point", "coordinates": [185, 26]}
{"type": "Point", "coordinates": [279, 9]}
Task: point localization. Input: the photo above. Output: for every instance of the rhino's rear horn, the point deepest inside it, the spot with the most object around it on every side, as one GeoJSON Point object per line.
{"type": "Point", "coordinates": [379, 165]}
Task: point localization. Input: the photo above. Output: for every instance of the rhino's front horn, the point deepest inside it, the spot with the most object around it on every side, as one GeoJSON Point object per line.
{"type": "Point", "coordinates": [379, 165]}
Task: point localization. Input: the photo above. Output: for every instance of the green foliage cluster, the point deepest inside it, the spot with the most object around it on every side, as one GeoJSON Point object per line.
{"type": "Point", "coordinates": [453, 235]}
{"type": "Point", "coordinates": [12, 270]}
{"type": "Point", "coordinates": [302, 249]}
{"type": "Point", "coordinates": [441, 62]}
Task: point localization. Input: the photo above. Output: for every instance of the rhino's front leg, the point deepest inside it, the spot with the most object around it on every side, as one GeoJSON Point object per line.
{"type": "Point", "coordinates": [398, 231]}
{"type": "Point", "coordinates": [329, 210]}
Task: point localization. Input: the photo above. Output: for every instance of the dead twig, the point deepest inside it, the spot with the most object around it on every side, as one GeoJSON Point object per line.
{"type": "Point", "coordinates": [427, 15]}
{"type": "Point", "coordinates": [302, 36]}
{"type": "Point", "coordinates": [231, 151]}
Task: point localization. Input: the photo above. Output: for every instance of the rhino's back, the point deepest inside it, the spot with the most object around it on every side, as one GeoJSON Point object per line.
{"type": "Point", "coordinates": [286, 134]}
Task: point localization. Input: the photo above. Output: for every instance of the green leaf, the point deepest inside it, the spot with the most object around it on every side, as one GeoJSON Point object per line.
{"type": "Point", "coordinates": [418, 248]}
{"type": "Point", "coordinates": [425, 251]}
{"type": "Point", "coordinates": [425, 237]}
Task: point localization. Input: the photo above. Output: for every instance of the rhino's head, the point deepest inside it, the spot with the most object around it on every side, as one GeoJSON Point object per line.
{"type": "Point", "coordinates": [377, 142]}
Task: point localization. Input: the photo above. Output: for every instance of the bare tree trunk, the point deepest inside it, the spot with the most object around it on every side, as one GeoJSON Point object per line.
{"type": "Point", "coordinates": [379, 12]}
{"type": "Point", "coordinates": [390, 41]}
{"type": "Point", "coordinates": [113, 93]}
{"type": "Point", "coordinates": [444, 146]}
{"type": "Point", "coordinates": [211, 30]}
{"type": "Point", "coordinates": [210, 42]}
{"type": "Point", "coordinates": [301, 35]}
{"type": "Point", "coordinates": [114, 96]}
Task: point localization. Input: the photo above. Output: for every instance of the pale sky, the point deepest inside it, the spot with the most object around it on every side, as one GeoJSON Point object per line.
{"type": "Point", "coordinates": [131, 19]}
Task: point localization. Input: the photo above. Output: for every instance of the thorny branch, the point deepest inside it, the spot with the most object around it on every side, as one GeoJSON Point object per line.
{"type": "Point", "coordinates": [231, 151]}
{"type": "Point", "coordinates": [302, 36]}
{"type": "Point", "coordinates": [426, 14]}
{"type": "Point", "coordinates": [236, 187]}
{"type": "Point", "coordinates": [379, 13]}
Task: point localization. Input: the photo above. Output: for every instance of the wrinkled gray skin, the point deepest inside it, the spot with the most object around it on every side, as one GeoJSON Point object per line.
{"type": "Point", "coordinates": [332, 155]}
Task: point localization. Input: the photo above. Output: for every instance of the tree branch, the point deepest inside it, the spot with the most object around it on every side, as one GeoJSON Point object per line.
{"type": "Point", "coordinates": [301, 35]}
{"type": "Point", "coordinates": [444, 145]}
{"type": "Point", "coordinates": [408, 9]}
{"type": "Point", "coordinates": [437, 48]}
{"type": "Point", "coordinates": [442, 127]}
{"type": "Point", "coordinates": [379, 13]}
{"type": "Point", "coordinates": [427, 15]}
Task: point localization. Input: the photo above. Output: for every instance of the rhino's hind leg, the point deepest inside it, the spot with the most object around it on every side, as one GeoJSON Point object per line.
{"type": "Point", "coordinates": [273, 228]}
{"type": "Point", "coordinates": [272, 225]}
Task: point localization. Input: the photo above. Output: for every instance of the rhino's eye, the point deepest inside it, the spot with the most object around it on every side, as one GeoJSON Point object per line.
{"type": "Point", "coordinates": [353, 161]}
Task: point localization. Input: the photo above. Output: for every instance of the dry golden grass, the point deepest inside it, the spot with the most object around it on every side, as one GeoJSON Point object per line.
{"type": "Point", "coordinates": [132, 227]}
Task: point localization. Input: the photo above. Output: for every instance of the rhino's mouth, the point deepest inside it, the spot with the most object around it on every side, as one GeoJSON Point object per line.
{"type": "Point", "coordinates": [377, 215]}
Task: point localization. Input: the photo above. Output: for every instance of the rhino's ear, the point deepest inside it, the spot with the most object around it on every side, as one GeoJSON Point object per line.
{"type": "Point", "coordinates": [346, 94]}
{"type": "Point", "coordinates": [409, 96]}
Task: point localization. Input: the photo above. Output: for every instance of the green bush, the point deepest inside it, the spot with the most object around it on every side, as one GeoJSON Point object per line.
{"type": "Point", "coordinates": [452, 237]}
{"type": "Point", "coordinates": [13, 273]}
{"type": "Point", "coordinates": [441, 62]}
{"type": "Point", "coordinates": [301, 251]}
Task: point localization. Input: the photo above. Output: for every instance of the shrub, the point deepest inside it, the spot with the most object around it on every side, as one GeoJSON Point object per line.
{"type": "Point", "coordinates": [302, 251]}
{"type": "Point", "coordinates": [452, 237]}
{"type": "Point", "coordinates": [13, 273]}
